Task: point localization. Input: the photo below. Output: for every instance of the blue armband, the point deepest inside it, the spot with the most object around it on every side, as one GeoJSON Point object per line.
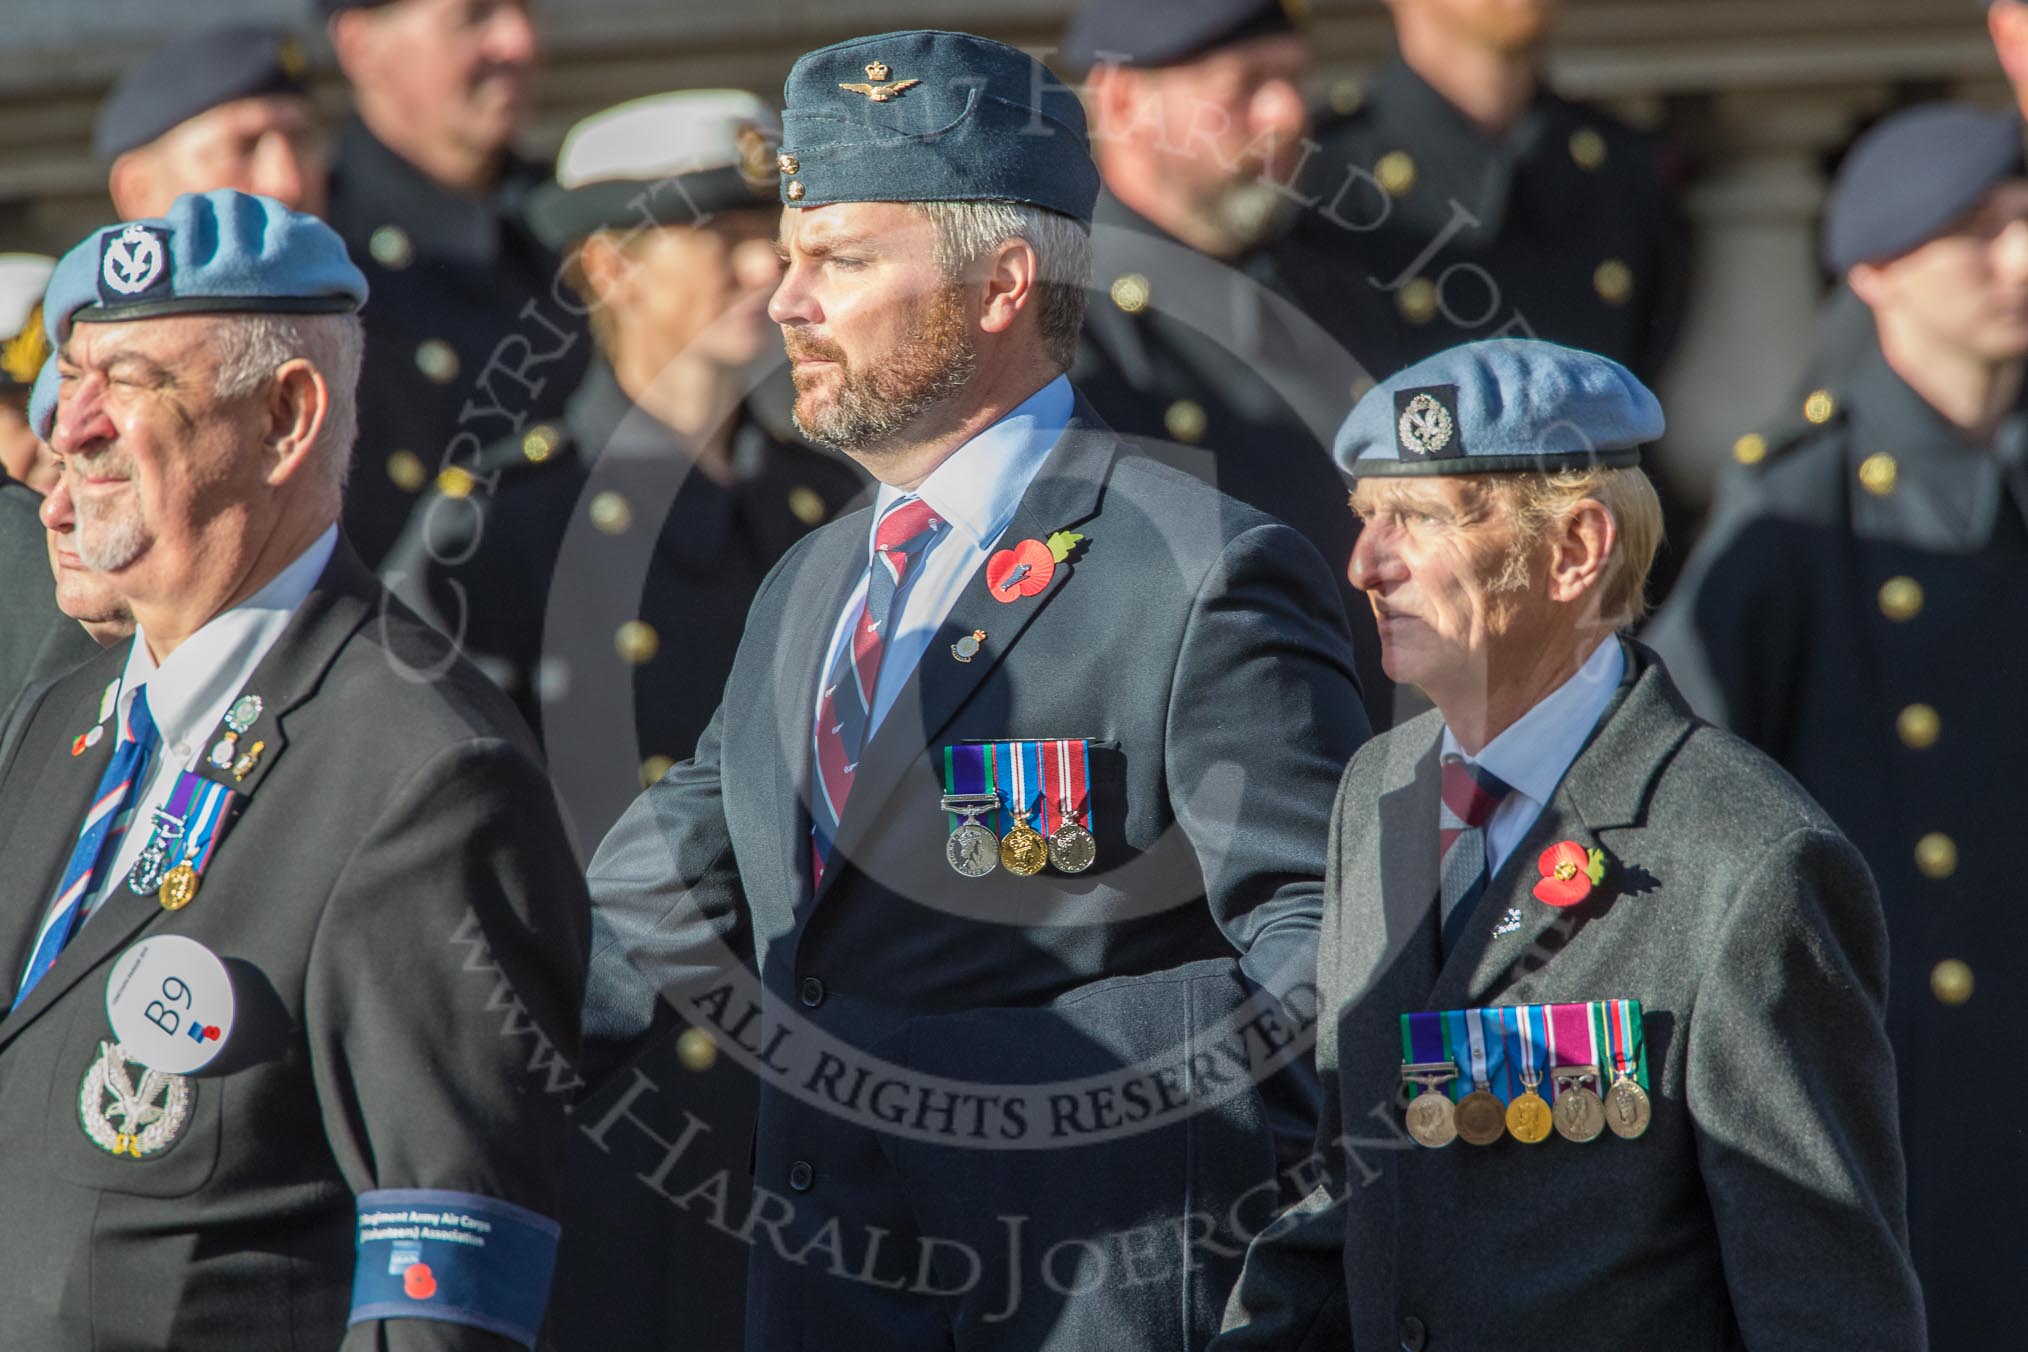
{"type": "Point", "coordinates": [425, 1253]}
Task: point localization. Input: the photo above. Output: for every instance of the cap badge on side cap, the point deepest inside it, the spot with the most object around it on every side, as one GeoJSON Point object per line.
{"type": "Point", "coordinates": [879, 91]}
{"type": "Point", "coordinates": [1428, 422]}
{"type": "Point", "coordinates": [756, 157]}
{"type": "Point", "coordinates": [289, 56]}
{"type": "Point", "coordinates": [132, 263]}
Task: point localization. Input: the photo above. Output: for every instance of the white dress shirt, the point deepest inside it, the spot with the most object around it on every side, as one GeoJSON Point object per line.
{"type": "Point", "coordinates": [1531, 756]}
{"type": "Point", "coordinates": [976, 492]}
{"type": "Point", "coordinates": [189, 693]}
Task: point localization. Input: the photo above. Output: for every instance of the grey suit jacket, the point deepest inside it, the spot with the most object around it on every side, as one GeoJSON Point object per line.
{"type": "Point", "coordinates": [37, 641]}
{"type": "Point", "coordinates": [405, 927]}
{"type": "Point", "coordinates": [1200, 647]}
{"type": "Point", "coordinates": [1763, 1208]}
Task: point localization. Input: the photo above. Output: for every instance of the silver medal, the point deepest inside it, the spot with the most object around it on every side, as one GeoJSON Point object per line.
{"type": "Point", "coordinates": [1072, 848]}
{"type": "Point", "coordinates": [972, 849]}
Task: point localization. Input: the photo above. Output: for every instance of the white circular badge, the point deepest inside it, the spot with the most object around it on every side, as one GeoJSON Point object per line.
{"type": "Point", "coordinates": [170, 1002]}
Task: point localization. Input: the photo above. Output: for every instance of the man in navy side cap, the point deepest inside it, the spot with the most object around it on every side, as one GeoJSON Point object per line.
{"type": "Point", "coordinates": [1859, 609]}
{"type": "Point", "coordinates": [223, 107]}
{"type": "Point", "coordinates": [269, 892]}
{"type": "Point", "coordinates": [1603, 1049]}
{"type": "Point", "coordinates": [1197, 343]}
{"type": "Point", "coordinates": [473, 335]}
{"type": "Point", "coordinates": [1018, 787]}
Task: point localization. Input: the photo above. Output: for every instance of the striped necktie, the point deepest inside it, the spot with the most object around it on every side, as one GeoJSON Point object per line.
{"type": "Point", "coordinates": [1471, 794]}
{"type": "Point", "coordinates": [845, 707]}
{"type": "Point", "coordinates": [97, 842]}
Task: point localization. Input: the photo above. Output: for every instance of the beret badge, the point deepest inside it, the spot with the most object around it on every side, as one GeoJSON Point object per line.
{"type": "Point", "coordinates": [1427, 425]}
{"type": "Point", "coordinates": [132, 262]}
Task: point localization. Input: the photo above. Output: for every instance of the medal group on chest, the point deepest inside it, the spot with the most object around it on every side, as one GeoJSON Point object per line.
{"type": "Point", "coordinates": [1039, 795]}
{"type": "Point", "coordinates": [1525, 1071]}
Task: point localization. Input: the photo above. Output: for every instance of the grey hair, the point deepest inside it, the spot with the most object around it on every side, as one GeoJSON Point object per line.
{"type": "Point", "coordinates": [968, 231]}
{"type": "Point", "coordinates": [251, 347]}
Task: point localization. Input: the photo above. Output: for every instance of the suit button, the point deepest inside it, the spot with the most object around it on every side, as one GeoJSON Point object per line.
{"type": "Point", "coordinates": [1413, 1335]}
{"type": "Point", "coordinates": [812, 992]}
{"type": "Point", "coordinates": [801, 1176]}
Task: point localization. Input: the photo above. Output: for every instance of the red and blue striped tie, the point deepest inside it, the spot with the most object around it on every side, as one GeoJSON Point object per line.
{"type": "Point", "coordinates": [845, 707]}
{"type": "Point", "coordinates": [1471, 794]}
{"type": "Point", "coordinates": [97, 843]}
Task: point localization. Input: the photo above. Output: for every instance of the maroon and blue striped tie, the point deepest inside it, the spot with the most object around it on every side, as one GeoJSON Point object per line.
{"type": "Point", "coordinates": [1471, 794]}
{"type": "Point", "coordinates": [845, 707]}
{"type": "Point", "coordinates": [97, 842]}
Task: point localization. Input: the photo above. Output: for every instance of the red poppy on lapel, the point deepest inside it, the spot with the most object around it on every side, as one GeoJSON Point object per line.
{"type": "Point", "coordinates": [1569, 873]}
{"type": "Point", "coordinates": [1021, 571]}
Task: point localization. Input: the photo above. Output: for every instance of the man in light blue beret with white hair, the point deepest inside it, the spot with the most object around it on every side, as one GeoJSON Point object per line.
{"type": "Point", "coordinates": [1603, 1050]}
{"type": "Point", "coordinates": [291, 938]}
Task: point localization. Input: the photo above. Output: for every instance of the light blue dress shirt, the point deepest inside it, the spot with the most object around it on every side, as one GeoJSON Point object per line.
{"type": "Point", "coordinates": [1532, 755]}
{"type": "Point", "coordinates": [976, 492]}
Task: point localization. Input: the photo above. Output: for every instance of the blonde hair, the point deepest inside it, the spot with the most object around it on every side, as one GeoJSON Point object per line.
{"type": "Point", "coordinates": [1539, 501]}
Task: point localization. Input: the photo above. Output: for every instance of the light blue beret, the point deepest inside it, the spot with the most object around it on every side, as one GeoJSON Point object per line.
{"type": "Point", "coordinates": [930, 116]}
{"type": "Point", "coordinates": [218, 252]}
{"type": "Point", "coordinates": [1505, 406]}
{"type": "Point", "coordinates": [42, 400]}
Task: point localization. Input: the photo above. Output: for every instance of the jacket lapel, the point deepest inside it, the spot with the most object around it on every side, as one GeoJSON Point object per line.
{"type": "Point", "coordinates": [1605, 790]}
{"type": "Point", "coordinates": [336, 607]}
{"type": "Point", "coordinates": [1065, 494]}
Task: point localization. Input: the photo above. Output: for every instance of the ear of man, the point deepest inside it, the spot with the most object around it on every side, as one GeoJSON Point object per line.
{"type": "Point", "coordinates": [298, 401]}
{"type": "Point", "coordinates": [1009, 277]}
{"type": "Point", "coordinates": [1580, 546]}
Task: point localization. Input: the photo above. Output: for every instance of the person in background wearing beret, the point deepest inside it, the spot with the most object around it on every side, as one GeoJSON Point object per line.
{"type": "Point", "coordinates": [1017, 788]}
{"type": "Point", "coordinates": [268, 900]}
{"type": "Point", "coordinates": [37, 641]}
{"type": "Point", "coordinates": [606, 580]}
{"type": "Point", "coordinates": [1559, 904]}
{"type": "Point", "coordinates": [1455, 195]}
{"type": "Point", "coordinates": [1859, 610]}
{"type": "Point", "coordinates": [472, 334]}
{"type": "Point", "coordinates": [223, 107]}
{"type": "Point", "coordinates": [1196, 346]}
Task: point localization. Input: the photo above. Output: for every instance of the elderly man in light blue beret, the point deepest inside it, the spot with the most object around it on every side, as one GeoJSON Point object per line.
{"type": "Point", "coordinates": [275, 868]}
{"type": "Point", "coordinates": [1602, 1045]}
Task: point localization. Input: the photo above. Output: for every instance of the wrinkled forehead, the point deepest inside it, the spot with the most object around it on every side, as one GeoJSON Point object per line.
{"type": "Point", "coordinates": [172, 342]}
{"type": "Point", "coordinates": [1437, 492]}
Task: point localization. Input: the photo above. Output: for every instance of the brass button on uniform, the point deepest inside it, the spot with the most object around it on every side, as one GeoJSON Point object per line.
{"type": "Point", "coordinates": [795, 190]}
{"type": "Point", "coordinates": [1901, 599]}
{"type": "Point", "coordinates": [1819, 407]}
{"type": "Point", "coordinates": [696, 1050]}
{"type": "Point", "coordinates": [1417, 301]}
{"type": "Point", "coordinates": [1130, 292]}
{"type": "Point", "coordinates": [1185, 420]}
{"type": "Point", "coordinates": [436, 359]}
{"type": "Point", "coordinates": [1396, 172]}
{"type": "Point", "coordinates": [407, 471]}
{"type": "Point", "coordinates": [788, 163]}
{"type": "Point", "coordinates": [390, 247]}
{"type": "Point", "coordinates": [611, 513]}
{"type": "Point", "coordinates": [637, 642]}
{"type": "Point", "coordinates": [1614, 281]}
{"type": "Point", "coordinates": [1918, 727]}
{"type": "Point", "coordinates": [1950, 981]}
{"type": "Point", "coordinates": [1878, 473]}
{"type": "Point", "coordinates": [456, 482]}
{"type": "Point", "coordinates": [806, 504]}
{"type": "Point", "coordinates": [1936, 856]}
{"type": "Point", "coordinates": [1588, 148]}
{"type": "Point", "coordinates": [653, 768]}
{"type": "Point", "coordinates": [540, 443]}
{"type": "Point", "coordinates": [1750, 449]}
{"type": "Point", "coordinates": [1346, 96]}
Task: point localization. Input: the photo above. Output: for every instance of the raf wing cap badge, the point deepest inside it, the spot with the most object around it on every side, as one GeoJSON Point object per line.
{"type": "Point", "coordinates": [880, 91]}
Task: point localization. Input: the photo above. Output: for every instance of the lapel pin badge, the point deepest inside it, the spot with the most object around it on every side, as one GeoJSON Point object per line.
{"type": "Point", "coordinates": [1509, 923]}
{"type": "Point", "coordinates": [967, 648]}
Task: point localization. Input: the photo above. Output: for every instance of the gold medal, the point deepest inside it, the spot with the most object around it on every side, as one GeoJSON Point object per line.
{"type": "Point", "coordinates": [1627, 1109]}
{"type": "Point", "coordinates": [1480, 1118]}
{"type": "Point", "coordinates": [1528, 1118]}
{"type": "Point", "coordinates": [1579, 1114]}
{"type": "Point", "coordinates": [179, 888]}
{"type": "Point", "coordinates": [1432, 1121]}
{"type": "Point", "coordinates": [1023, 851]}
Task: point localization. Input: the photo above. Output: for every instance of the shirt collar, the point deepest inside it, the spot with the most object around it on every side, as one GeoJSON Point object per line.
{"type": "Point", "coordinates": [1532, 755]}
{"type": "Point", "coordinates": [209, 667]}
{"type": "Point", "coordinates": [979, 486]}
